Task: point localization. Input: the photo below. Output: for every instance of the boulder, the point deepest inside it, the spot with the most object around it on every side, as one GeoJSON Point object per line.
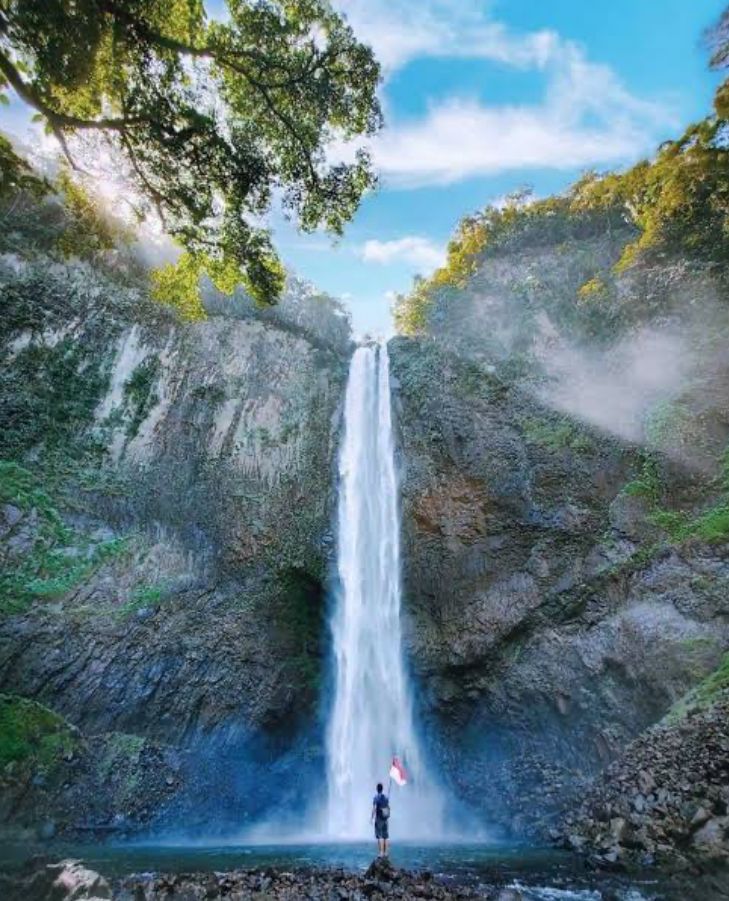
{"type": "Point", "coordinates": [74, 882]}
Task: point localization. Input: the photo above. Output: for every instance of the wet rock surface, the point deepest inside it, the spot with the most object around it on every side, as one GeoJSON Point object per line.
{"type": "Point", "coordinates": [70, 880]}
{"type": "Point", "coordinates": [105, 786]}
{"type": "Point", "coordinates": [546, 626]}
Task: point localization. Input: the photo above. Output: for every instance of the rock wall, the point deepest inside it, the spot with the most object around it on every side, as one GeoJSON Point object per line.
{"type": "Point", "coordinates": [545, 629]}
{"type": "Point", "coordinates": [168, 499]}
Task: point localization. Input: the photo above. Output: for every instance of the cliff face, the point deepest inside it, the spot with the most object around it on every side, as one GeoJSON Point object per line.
{"type": "Point", "coordinates": [166, 501]}
{"type": "Point", "coordinates": [565, 436]}
{"type": "Point", "coordinates": [166, 520]}
{"type": "Point", "coordinates": [548, 622]}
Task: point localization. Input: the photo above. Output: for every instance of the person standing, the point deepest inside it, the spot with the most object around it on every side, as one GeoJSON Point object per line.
{"type": "Point", "coordinates": [381, 817]}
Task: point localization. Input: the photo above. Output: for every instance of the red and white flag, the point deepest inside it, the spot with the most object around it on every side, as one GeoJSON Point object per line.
{"type": "Point", "coordinates": [397, 772]}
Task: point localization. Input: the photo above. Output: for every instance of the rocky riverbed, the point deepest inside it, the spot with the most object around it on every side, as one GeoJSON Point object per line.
{"type": "Point", "coordinates": [381, 880]}
{"type": "Point", "coordinates": [666, 799]}
{"type": "Point", "coordinates": [72, 880]}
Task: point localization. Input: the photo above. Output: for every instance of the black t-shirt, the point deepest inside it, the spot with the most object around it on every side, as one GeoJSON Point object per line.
{"type": "Point", "coordinates": [380, 801]}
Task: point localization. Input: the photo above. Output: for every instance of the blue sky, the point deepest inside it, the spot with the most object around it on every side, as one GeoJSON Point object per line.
{"type": "Point", "coordinates": [483, 97]}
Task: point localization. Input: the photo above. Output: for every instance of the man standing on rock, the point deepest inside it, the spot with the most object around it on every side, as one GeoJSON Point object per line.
{"type": "Point", "coordinates": [380, 817]}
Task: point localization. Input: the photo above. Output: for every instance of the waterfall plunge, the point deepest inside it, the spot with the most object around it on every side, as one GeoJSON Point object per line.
{"type": "Point", "coordinates": [372, 716]}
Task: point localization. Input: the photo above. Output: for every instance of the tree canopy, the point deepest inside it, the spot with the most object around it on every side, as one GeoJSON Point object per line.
{"type": "Point", "coordinates": [211, 117]}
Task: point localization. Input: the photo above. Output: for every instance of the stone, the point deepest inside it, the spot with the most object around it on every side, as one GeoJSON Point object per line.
{"type": "Point", "coordinates": [381, 869]}
{"type": "Point", "coordinates": [576, 841]}
{"type": "Point", "coordinates": [701, 816]}
{"type": "Point", "coordinates": [618, 828]}
{"type": "Point", "coordinates": [74, 882]}
{"type": "Point", "coordinates": [10, 516]}
{"type": "Point", "coordinates": [713, 834]}
{"type": "Point", "coordinates": [629, 516]}
{"type": "Point", "coordinates": [646, 782]}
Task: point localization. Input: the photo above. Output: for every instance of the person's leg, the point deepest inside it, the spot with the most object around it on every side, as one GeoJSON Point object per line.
{"type": "Point", "coordinates": [386, 847]}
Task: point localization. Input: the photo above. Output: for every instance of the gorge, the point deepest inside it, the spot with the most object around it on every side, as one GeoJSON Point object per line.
{"type": "Point", "coordinates": [250, 551]}
{"type": "Point", "coordinates": [172, 558]}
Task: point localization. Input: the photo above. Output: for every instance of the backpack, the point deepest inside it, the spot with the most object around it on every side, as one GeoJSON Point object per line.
{"type": "Point", "coordinates": [383, 810]}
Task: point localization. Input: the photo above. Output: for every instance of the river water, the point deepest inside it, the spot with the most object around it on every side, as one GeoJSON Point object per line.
{"type": "Point", "coordinates": [539, 874]}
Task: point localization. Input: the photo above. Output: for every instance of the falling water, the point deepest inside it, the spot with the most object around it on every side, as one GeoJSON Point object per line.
{"type": "Point", "coordinates": [372, 715]}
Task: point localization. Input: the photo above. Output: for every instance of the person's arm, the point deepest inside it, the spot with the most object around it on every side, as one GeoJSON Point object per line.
{"type": "Point", "coordinates": [374, 812]}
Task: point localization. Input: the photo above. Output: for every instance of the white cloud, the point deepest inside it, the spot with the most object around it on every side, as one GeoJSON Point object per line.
{"type": "Point", "coordinates": [586, 116]}
{"type": "Point", "coordinates": [413, 249]}
{"type": "Point", "coordinates": [402, 30]}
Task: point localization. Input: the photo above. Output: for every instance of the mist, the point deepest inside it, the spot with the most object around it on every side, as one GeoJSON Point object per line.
{"type": "Point", "coordinates": [615, 389]}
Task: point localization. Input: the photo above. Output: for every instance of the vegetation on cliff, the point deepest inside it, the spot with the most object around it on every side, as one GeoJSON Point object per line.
{"type": "Point", "coordinates": [675, 205]}
{"type": "Point", "coordinates": [32, 735]}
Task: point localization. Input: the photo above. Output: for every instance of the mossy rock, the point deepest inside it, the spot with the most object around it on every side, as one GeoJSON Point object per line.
{"type": "Point", "coordinates": [712, 689]}
{"type": "Point", "coordinates": [56, 558]}
{"type": "Point", "coordinates": [32, 735]}
{"type": "Point", "coordinates": [557, 435]}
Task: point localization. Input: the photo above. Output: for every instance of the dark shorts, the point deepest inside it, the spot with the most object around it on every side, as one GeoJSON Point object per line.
{"type": "Point", "coordinates": [381, 830]}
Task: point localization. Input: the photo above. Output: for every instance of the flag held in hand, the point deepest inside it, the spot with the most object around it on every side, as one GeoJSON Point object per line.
{"type": "Point", "coordinates": [397, 772]}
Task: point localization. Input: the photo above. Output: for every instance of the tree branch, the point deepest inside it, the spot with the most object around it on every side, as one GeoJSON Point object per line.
{"type": "Point", "coordinates": [157, 197]}
{"type": "Point", "coordinates": [29, 95]}
{"type": "Point", "coordinates": [208, 51]}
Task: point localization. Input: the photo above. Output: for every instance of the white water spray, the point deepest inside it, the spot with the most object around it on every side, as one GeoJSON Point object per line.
{"type": "Point", "coordinates": [372, 716]}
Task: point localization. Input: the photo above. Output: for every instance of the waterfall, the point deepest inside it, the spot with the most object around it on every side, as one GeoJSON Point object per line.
{"type": "Point", "coordinates": [372, 713]}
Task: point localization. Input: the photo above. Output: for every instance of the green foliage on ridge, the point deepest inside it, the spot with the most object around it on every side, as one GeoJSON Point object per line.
{"type": "Point", "coordinates": [16, 174]}
{"type": "Point", "coordinates": [62, 219]}
{"type": "Point", "coordinates": [56, 558]}
{"type": "Point", "coordinates": [48, 395]}
{"type": "Point", "coordinates": [139, 391]}
{"type": "Point", "coordinates": [88, 228]}
{"type": "Point", "coordinates": [674, 205]}
{"type": "Point", "coordinates": [142, 598]}
{"type": "Point", "coordinates": [710, 524]}
{"type": "Point", "coordinates": [711, 689]}
{"type": "Point", "coordinates": [562, 434]}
